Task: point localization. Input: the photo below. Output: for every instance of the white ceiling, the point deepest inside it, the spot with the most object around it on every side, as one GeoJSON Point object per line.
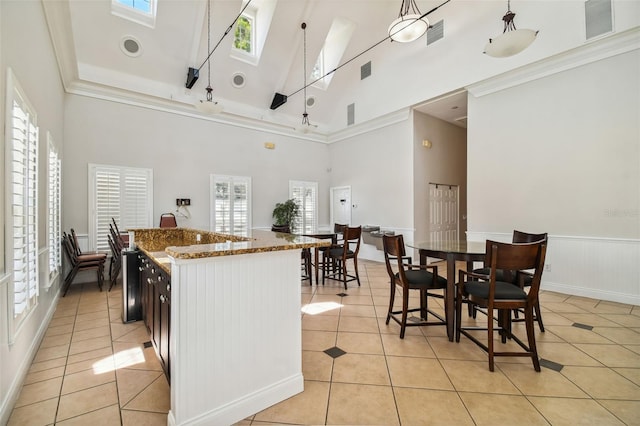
{"type": "Point", "coordinates": [88, 37]}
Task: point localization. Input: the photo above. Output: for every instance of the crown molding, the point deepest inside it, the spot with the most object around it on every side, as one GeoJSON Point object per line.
{"type": "Point", "coordinates": [370, 125]}
{"type": "Point", "coordinates": [262, 124]}
{"type": "Point", "coordinates": [58, 19]}
{"type": "Point", "coordinates": [597, 50]}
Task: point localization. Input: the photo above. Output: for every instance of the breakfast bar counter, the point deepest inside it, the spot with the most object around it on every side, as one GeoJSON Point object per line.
{"type": "Point", "coordinates": [235, 321]}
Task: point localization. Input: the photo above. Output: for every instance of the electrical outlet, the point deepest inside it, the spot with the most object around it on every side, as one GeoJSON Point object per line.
{"type": "Point", "coordinates": [547, 267]}
{"type": "Point", "coordinates": [183, 202]}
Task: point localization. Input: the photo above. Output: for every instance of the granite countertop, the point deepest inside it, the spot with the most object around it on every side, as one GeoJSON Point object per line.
{"type": "Point", "coordinates": [182, 243]}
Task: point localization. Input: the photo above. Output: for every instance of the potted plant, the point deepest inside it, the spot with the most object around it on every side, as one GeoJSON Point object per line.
{"type": "Point", "coordinates": [285, 215]}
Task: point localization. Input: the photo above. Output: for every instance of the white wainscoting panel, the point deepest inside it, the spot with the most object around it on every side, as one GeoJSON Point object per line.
{"type": "Point", "coordinates": [599, 268]}
{"type": "Point", "coordinates": [236, 337]}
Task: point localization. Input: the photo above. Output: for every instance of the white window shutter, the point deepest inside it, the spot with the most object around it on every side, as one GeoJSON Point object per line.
{"type": "Point", "coordinates": [22, 160]}
{"type": "Point", "coordinates": [306, 195]}
{"type": "Point", "coordinates": [231, 204]}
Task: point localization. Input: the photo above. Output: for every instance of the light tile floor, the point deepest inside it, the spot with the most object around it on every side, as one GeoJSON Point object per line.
{"type": "Point", "coordinates": [93, 370]}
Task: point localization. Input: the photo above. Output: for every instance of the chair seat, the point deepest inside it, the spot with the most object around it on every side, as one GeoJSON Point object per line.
{"type": "Point", "coordinates": [419, 278]}
{"type": "Point", "coordinates": [337, 252]}
{"type": "Point", "coordinates": [504, 290]}
{"type": "Point", "coordinates": [98, 257]}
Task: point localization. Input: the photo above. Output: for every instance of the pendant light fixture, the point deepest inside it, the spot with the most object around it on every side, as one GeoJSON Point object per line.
{"type": "Point", "coordinates": [410, 25]}
{"type": "Point", "coordinates": [306, 127]}
{"type": "Point", "coordinates": [512, 40]}
{"type": "Point", "coordinates": [208, 106]}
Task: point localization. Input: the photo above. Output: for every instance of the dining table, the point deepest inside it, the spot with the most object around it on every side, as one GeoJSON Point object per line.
{"type": "Point", "coordinates": [316, 258]}
{"type": "Point", "coordinates": [451, 251]}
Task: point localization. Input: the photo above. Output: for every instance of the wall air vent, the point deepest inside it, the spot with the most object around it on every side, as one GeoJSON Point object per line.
{"type": "Point", "coordinates": [435, 32]}
{"type": "Point", "coordinates": [365, 70]}
{"type": "Point", "coordinates": [598, 17]}
{"type": "Point", "coordinates": [351, 114]}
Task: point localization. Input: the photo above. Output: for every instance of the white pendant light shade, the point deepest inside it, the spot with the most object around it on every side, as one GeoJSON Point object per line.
{"type": "Point", "coordinates": [510, 43]}
{"type": "Point", "coordinates": [408, 28]}
{"type": "Point", "coordinates": [209, 107]}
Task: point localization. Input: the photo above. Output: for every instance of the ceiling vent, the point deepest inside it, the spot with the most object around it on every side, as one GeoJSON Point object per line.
{"type": "Point", "coordinates": [238, 80]}
{"type": "Point", "coordinates": [365, 70]}
{"type": "Point", "coordinates": [130, 46]}
{"type": "Point", "coordinates": [351, 114]}
{"type": "Point", "coordinates": [435, 32]}
{"type": "Point", "coordinates": [598, 17]}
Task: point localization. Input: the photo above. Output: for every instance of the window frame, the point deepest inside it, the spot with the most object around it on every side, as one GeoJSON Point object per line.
{"type": "Point", "coordinates": [54, 194]}
{"type": "Point", "coordinates": [134, 14]}
{"type": "Point", "coordinates": [214, 179]}
{"type": "Point", "coordinates": [301, 226]}
{"type": "Point", "coordinates": [16, 95]}
{"type": "Point", "coordinates": [252, 31]}
{"type": "Point", "coordinates": [120, 217]}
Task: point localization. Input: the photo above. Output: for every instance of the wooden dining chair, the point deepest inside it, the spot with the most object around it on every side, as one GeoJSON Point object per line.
{"type": "Point", "coordinates": [168, 220]}
{"type": "Point", "coordinates": [80, 263]}
{"type": "Point", "coordinates": [510, 276]}
{"type": "Point", "coordinates": [503, 296]}
{"type": "Point", "coordinates": [407, 277]}
{"type": "Point", "coordinates": [336, 257]}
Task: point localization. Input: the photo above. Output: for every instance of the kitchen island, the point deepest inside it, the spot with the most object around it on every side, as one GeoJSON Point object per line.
{"type": "Point", "coordinates": [235, 323]}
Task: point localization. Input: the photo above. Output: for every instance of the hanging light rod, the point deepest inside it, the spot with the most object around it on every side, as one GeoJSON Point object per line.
{"type": "Point", "coordinates": [279, 99]}
{"type": "Point", "coordinates": [193, 73]}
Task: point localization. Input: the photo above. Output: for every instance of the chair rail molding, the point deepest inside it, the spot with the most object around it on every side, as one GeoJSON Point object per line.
{"type": "Point", "coordinates": [595, 267]}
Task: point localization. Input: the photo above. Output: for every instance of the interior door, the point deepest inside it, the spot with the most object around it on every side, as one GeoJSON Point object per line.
{"type": "Point", "coordinates": [340, 205]}
{"type": "Point", "coordinates": [443, 212]}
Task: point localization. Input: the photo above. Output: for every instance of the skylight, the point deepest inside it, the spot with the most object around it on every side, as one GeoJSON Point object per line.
{"type": "Point", "coordinates": [251, 30]}
{"type": "Point", "coordinates": [334, 46]}
{"type": "Point", "coordinates": [140, 11]}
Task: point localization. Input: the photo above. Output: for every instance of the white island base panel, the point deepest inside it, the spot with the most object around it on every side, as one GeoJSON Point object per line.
{"type": "Point", "coordinates": [235, 336]}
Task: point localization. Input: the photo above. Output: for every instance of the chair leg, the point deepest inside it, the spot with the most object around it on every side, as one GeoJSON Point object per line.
{"type": "Point", "coordinates": [490, 337]}
{"type": "Point", "coordinates": [392, 297]}
{"type": "Point", "coordinates": [355, 266]}
{"type": "Point", "coordinates": [405, 308]}
{"type": "Point", "coordinates": [539, 316]}
{"type": "Point", "coordinates": [528, 318]}
{"type": "Point", "coordinates": [344, 273]}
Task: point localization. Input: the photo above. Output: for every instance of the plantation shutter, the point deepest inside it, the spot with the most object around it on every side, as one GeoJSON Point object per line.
{"type": "Point", "coordinates": [121, 193]}
{"type": "Point", "coordinates": [24, 208]}
{"type": "Point", "coordinates": [107, 193]}
{"type": "Point", "coordinates": [55, 184]}
{"type": "Point", "coordinates": [306, 195]}
{"type": "Point", "coordinates": [232, 204]}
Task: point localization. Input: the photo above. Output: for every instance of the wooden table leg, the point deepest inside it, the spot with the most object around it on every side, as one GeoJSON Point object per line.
{"type": "Point", "coordinates": [451, 296]}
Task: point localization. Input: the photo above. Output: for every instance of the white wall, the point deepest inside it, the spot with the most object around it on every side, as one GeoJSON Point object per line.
{"type": "Point", "coordinates": [378, 167]}
{"type": "Point", "coordinates": [410, 73]}
{"type": "Point", "coordinates": [560, 153]}
{"type": "Point", "coordinates": [26, 49]}
{"type": "Point", "coordinates": [183, 152]}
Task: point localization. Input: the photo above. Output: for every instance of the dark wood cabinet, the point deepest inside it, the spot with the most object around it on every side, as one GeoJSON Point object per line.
{"type": "Point", "coordinates": [156, 308]}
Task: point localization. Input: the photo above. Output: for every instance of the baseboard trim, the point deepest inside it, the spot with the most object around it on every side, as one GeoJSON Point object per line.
{"type": "Point", "coordinates": [14, 390]}
{"type": "Point", "coordinates": [252, 403]}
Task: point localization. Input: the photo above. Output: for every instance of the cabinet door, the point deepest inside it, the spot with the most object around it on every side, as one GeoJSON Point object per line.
{"type": "Point", "coordinates": [164, 286]}
{"type": "Point", "coordinates": [147, 294]}
{"type": "Point", "coordinates": [157, 303]}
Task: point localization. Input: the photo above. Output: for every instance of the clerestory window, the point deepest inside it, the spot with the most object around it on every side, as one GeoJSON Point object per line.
{"type": "Point", "coordinates": [244, 35]}
{"type": "Point", "coordinates": [139, 11]}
